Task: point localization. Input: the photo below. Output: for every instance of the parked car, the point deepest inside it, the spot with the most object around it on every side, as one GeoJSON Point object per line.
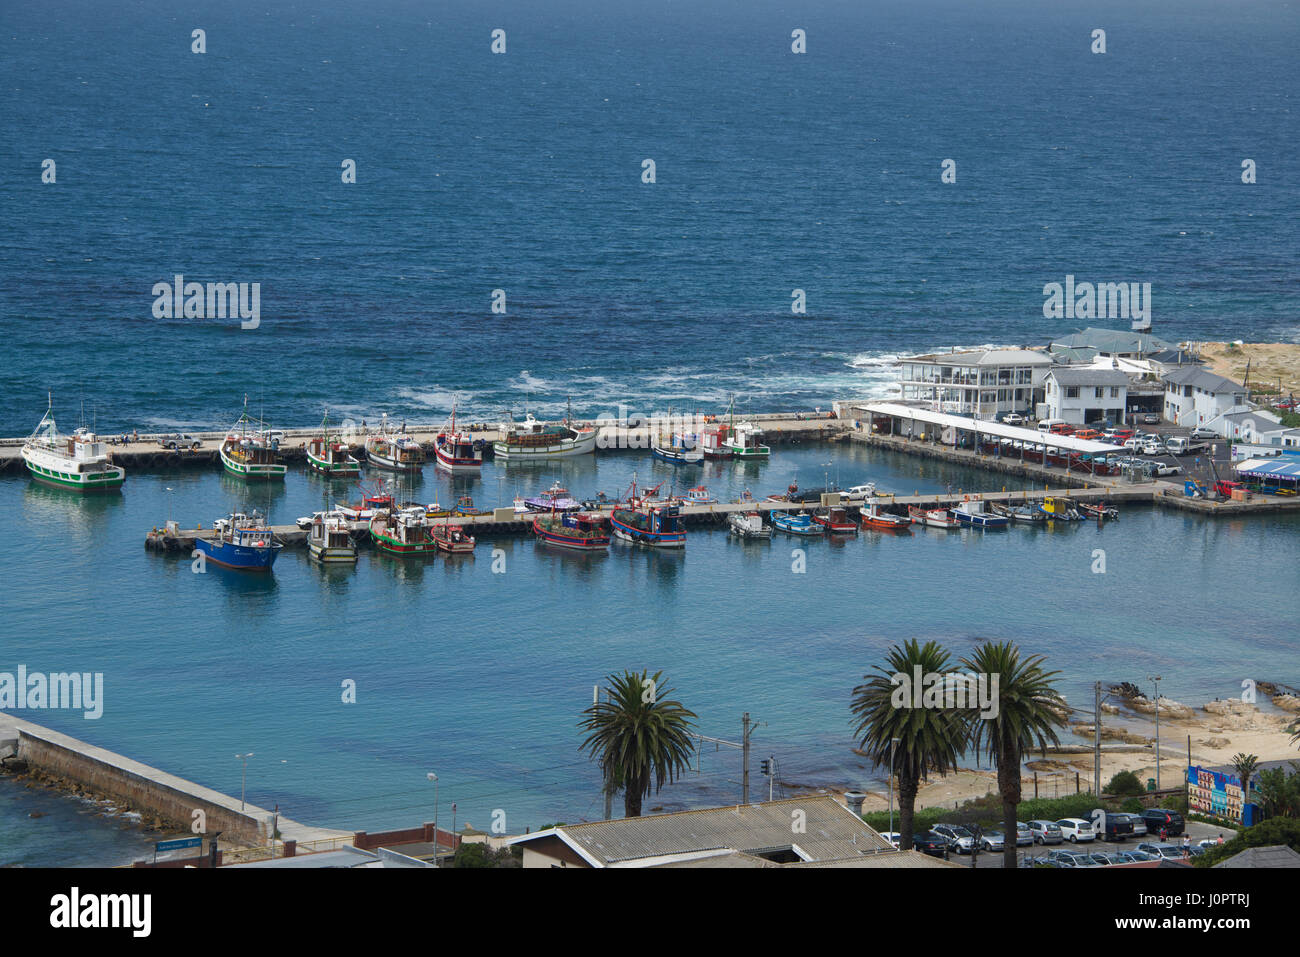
{"type": "Point", "coordinates": [1201, 432]}
{"type": "Point", "coordinates": [1166, 469]}
{"type": "Point", "coordinates": [1045, 832]}
{"type": "Point", "coordinates": [1075, 829]}
{"type": "Point", "coordinates": [959, 838]}
{"type": "Point", "coordinates": [1137, 821]}
{"type": "Point", "coordinates": [1072, 858]}
{"type": "Point", "coordinates": [1105, 860]}
{"type": "Point", "coordinates": [930, 844]}
{"type": "Point", "coordinates": [1130, 857]}
{"type": "Point", "coordinates": [1013, 418]}
{"type": "Point", "coordinates": [1117, 827]}
{"type": "Point", "coordinates": [1024, 835]}
{"type": "Point", "coordinates": [178, 440]}
{"type": "Point", "coordinates": [1170, 852]}
{"type": "Point", "coordinates": [1157, 817]}
{"type": "Point", "coordinates": [893, 837]}
{"type": "Point", "coordinates": [993, 841]}
{"type": "Point", "coordinates": [1151, 419]}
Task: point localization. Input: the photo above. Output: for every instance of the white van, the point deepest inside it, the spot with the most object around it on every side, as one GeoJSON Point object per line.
{"type": "Point", "coordinates": [1045, 425]}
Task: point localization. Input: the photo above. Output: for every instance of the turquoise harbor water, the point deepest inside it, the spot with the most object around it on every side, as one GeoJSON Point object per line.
{"type": "Point", "coordinates": [522, 172]}
{"type": "Point", "coordinates": [482, 676]}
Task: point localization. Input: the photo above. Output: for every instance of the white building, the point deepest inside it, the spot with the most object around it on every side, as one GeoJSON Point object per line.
{"type": "Point", "coordinates": [1245, 424]}
{"type": "Point", "coordinates": [980, 383]}
{"type": "Point", "coordinates": [1083, 394]}
{"type": "Point", "coordinates": [1194, 397]}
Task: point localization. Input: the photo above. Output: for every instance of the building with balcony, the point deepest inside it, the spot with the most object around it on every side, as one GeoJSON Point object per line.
{"type": "Point", "coordinates": [980, 383]}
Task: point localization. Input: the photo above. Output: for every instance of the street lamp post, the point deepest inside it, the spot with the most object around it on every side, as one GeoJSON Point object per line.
{"type": "Point", "coordinates": [243, 779]}
{"type": "Point", "coordinates": [434, 778]}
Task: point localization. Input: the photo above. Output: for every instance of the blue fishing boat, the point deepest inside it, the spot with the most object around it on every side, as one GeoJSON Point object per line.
{"type": "Point", "coordinates": [972, 512]}
{"type": "Point", "coordinates": [801, 524]}
{"type": "Point", "coordinates": [241, 546]}
{"type": "Point", "coordinates": [646, 521]}
{"type": "Point", "coordinates": [682, 448]}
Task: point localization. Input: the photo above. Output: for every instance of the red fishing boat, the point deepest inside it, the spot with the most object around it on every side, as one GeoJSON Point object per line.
{"type": "Point", "coordinates": [874, 518]}
{"type": "Point", "coordinates": [452, 539]}
{"type": "Point", "coordinates": [578, 531]}
{"type": "Point", "coordinates": [836, 521]}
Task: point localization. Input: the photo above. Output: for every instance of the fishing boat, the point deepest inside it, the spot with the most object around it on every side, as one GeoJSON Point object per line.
{"type": "Point", "coordinates": [801, 524]}
{"type": "Point", "coordinates": [872, 517]}
{"type": "Point", "coordinates": [465, 506]}
{"type": "Point", "coordinates": [1019, 514]}
{"type": "Point", "coordinates": [242, 546]}
{"type": "Point", "coordinates": [367, 508]}
{"type": "Point", "coordinates": [554, 499]}
{"type": "Point", "coordinates": [532, 441]}
{"type": "Point", "coordinates": [389, 449]}
{"type": "Point", "coordinates": [679, 448]}
{"type": "Point", "coordinates": [1059, 509]}
{"type": "Point", "coordinates": [645, 521]}
{"type": "Point", "coordinates": [79, 461]}
{"type": "Point", "coordinates": [972, 512]}
{"type": "Point", "coordinates": [329, 539]}
{"type": "Point", "coordinates": [933, 517]}
{"type": "Point", "coordinates": [744, 445]}
{"type": "Point", "coordinates": [252, 453]}
{"type": "Point", "coordinates": [329, 455]}
{"type": "Point", "coordinates": [748, 525]}
{"type": "Point", "coordinates": [575, 530]}
{"type": "Point", "coordinates": [457, 451]}
{"type": "Point", "coordinates": [713, 442]}
{"type": "Point", "coordinates": [698, 496]}
{"type": "Point", "coordinates": [836, 521]}
{"type": "Point", "coordinates": [1098, 510]}
{"type": "Point", "coordinates": [452, 539]}
{"type": "Point", "coordinates": [406, 533]}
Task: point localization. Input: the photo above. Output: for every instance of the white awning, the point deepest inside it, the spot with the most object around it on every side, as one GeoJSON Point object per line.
{"type": "Point", "coordinates": [989, 427]}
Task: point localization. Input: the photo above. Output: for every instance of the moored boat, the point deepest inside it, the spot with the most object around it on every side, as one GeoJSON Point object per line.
{"type": "Point", "coordinates": [713, 442]}
{"type": "Point", "coordinates": [367, 508]}
{"type": "Point", "coordinates": [836, 521]}
{"type": "Point", "coordinates": [679, 448]}
{"type": "Point", "coordinates": [801, 524]}
{"type": "Point", "coordinates": [575, 530]}
{"type": "Point", "coordinates": [698, 496]}
{"type": "Point", "coordinates": [645, 521]}
{"type": "Point", "coordinates": [452, 539]}
{"type": "Point", "coordinates": [554, 499]}
{"type": "Point", "coordinates": [1019, 514]}
{"type": "Point", "coordinates": [532, 441]}
{"type": "Point", "coordinates": [1098, 510]}
{"type": "Point", "coordinates": [458, 451]}
{"type": "Point", "coordinates": [406, 533]}
{"type": "Point", "coordinates": [1059, 509]}
{"type": "Point", "coordinates": [872, 517]}
{"type": "Point", "coordinates": [972, 512]}
{"type": "Point", "coordinates": [330, 455]}
{"type": "Point", "coordinates": [748, 525]}
{"type": "Point", "coordinates": [743, 443]}
{"type": "Point", "coordinates": [329, 539]}
{"type": "Point", "coordinates": [79, 461]}
{"type": "Point", "coordinates": [252, 453]}
{"type": "Point", "coordinates": [465, 506]}
{"type": "Point", "coordinates": [241, 546]}
{"type": "Point", "coordinates": [387, 448]}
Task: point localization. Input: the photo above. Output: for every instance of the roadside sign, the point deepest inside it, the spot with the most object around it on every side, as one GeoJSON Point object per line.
{"type": "Point", "coordinates": [162, 847]}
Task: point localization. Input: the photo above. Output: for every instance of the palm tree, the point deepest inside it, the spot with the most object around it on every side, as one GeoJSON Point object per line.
{"type": "Point", "coordinates": [928, 739]}
{"type": "Point", "coordinates": [1028, 710]}
{"type": "Point", "coordinates": [639, 735]}
{"type": "Point", "coordinates": [1245, 765]}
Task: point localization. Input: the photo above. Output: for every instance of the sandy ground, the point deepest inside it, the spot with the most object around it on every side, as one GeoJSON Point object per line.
{"type": "Point", "coordinates": [1215, 739]}
{"type": "Point", "coordinates": [1269, 361]}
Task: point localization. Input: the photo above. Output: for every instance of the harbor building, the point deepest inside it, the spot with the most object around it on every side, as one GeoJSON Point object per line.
{"type": "Point", "coordinates": [982, 383]}
{"type": "Point", "coordinates": [1195, 397]}
{"type": "Point", "coordinates": [1082, 394]}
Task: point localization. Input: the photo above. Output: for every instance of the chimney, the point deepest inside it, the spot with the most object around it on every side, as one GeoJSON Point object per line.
{"type": "Point", "coordinates": [854, 801]}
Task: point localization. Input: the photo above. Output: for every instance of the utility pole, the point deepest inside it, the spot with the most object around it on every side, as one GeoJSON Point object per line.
{"type": "Point", "coordinates": [1096, 739]}
{"type": "Point", "coordinates": [744, 740]}
{"type": "Point", "coordinates": [1155, 679]}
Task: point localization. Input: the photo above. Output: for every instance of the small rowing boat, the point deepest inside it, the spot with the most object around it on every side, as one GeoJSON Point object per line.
{"type": "Point", "coordinates": [800, 524]}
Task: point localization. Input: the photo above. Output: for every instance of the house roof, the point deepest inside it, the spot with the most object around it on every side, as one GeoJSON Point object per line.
{"type": "Point", "coordinates": [828, 831]}
{"type": "Point", "coordinates": [1174, 357]}
{"type": "Point", "coordinates": [984, 357]}
{"type": "Point", "coordinates": [1277, 855]}
{"type": "Point", "coordinates": [1088, 375]}
{"type": "Point", "coordinates": [1200, 379]}
{"type": "Point", "coordinates": [1113, 340]}
{"type": "Point", "coordinates": [1252, 414]}
{"type": "Point", "coordinates": [919, 413]}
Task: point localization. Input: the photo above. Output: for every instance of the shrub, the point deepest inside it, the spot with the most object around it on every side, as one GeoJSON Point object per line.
{"type": "Point", "coordinates": [1278, 830]}
{"type": "Point", "coordinates": [1133, 805]}
{"type": "Point", "coordinates": [1125, 784]}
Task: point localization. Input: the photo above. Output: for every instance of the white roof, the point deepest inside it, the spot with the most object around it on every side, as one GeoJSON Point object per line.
{"type": "Point", "coordinates": [989, 427]}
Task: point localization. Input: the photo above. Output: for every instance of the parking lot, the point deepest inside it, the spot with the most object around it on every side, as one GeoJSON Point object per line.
{"type": "Point", "coordinates": [1195, 830]}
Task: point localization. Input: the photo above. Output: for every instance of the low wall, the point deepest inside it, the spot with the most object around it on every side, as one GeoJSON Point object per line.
{"type": "Point", "coordinates": [145, 789]}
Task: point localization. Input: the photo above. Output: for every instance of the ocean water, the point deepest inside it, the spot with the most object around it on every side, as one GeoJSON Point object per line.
{"type": "Point", "coordinates": [522, 172]}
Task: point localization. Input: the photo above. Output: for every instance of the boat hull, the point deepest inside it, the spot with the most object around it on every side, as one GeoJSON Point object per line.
{"type": "Point", "coordinates": [583, 444]}
{"type": "Point", "coordinates": [577, 543]}
{"type": "Point", "coordinates": [110, 480]}
{"type": "Point", "coordinates": [982, 521]}
{"type": "Point", "coordinates": [679, 456]}
{"type": "Point", "coordinates": [253, 471]}
{"type": "Point", "coordinates": [332, 554]}
{"type": "Point", "coordinates": [631, 533]}
{"type": "Point", "coordinates": [349, 468]}
{"type": "Point", "coordinates": [790, 527]}
{"type": "Point", "coordinates": [245, 558]}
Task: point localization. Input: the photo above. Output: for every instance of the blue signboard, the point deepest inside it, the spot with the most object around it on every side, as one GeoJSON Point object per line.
{"type": "Point", "coordinates": [162, 847]}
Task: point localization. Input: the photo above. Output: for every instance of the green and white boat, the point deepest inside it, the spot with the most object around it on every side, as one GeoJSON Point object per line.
{"type": "Point", "coordinates": [251, 453]}
{"type": "Point", "coordinates": [741, 441]}
{"type": "Point", "coordinates": [330, 455]}
{"type": "Point", "coordinates": [80, 461]}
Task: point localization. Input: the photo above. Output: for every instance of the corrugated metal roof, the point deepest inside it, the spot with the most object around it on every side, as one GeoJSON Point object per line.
{"type": "Point", "coordinates": [1088, 375]}
{"type": "Point", "coordinates": [1114, 340]}
{"type": "Point", "coordinates": [989, 427]}
{"type": "Point", "coordinates": [828, 831]}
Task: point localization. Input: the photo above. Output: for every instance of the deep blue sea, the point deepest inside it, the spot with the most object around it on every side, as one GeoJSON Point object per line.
{"type": "Point", "coordinates": [522, 172]}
